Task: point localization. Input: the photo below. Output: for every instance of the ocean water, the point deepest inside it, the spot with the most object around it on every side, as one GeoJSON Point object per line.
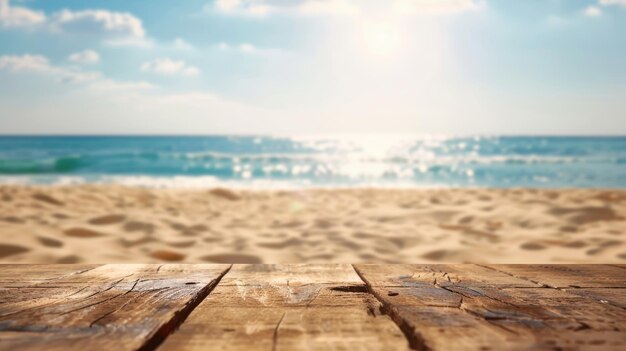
{"type": "Point", "coordinates": [321, 161]}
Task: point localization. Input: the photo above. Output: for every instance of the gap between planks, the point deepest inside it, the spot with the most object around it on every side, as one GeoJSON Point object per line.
{"type": "Point", "coordinates": [412, 336]}
{"type": "Point", "coordinates": [413, 339]}
{"type": "Point", "coordinates": [179, 317]}
{"type": "Point", "coordinates": [420, 341]}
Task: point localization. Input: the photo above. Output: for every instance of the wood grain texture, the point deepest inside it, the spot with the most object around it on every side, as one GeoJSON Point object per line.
{"type": "Point", "coordinates": [602, 283]}
{"type": "Point", "coordinates": [569, 276]}
{"type": "Point", "coordinates": [288, 307]}
{"type": "Point", "coordinates": [20, 275]}
{"type": "Point", "coordinates": [120, 307]}
{"type": "Point", "coordinates": [470, 307]}
{"type": "Point", "coordinates": [312, 307]}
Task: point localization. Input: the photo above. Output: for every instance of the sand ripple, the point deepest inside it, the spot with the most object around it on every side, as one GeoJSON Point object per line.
{"type": "Point", "coordinates": [94, 224]}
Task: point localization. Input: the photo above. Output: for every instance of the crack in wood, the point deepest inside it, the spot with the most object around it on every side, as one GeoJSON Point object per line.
{"type": "Point", "coordinates": [70, 274]}
{"type": "Point", "coordinates": [469, 311]}
{"type": "Point", "coordinates": [122, 306]}
{"type": "Point", "coordinates": [70, 295]}
{"type": "Point", "coordinates": [119, 308]}
{"type": "Point", "coordinates": [275, 332]}
{"type": "Point", "coordinates": [102, 301]}
{"type": "Point", "coordinates": [540, 285]}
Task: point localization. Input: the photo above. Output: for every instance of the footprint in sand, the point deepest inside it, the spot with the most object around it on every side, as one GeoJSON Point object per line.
{"type": "Point", "coordinates": [368, 257]}
{"type": "Point", "coordinates": [610, 197]}
{"type": "Point", "coordinates": [436, 255]}
{"type": "Point", "coordinates": [47, 199]}
{"type": "Point", "coordinates": [69, 259]}
{"type": "Point", "coordinates": [585, 215]}
{"type": "Point", "coordinates": [466, 220]}
{"type": "Point", "coordinates": [232, 258]}
{"type": "Point", "coordinates": [107, 219]}
{"type": "Point", "coordinates": [532, 246]}
{"type": "Point", "coordinates": [191, 230]}
{"type": "Point", "coordinates": [346, 243]}
{"type": "Point", "coordinates": [282, 244]}
{"type": "Point", "coordinates": [568, 229]}
{"type": "Point", "coordinates": [469, 231]}
{"type": "Point", "coordinates": [291, 224]}
{"type": "Point", "coordinates": [324, 223]}
{"type": "Point", "coordinates": [134, 239]}
{"type": "Point", "coordinates": [576, 244]}
{"type": "Point", "coordinates": [7, 250]}
{"type": "Point", "coordinates": [604, 245]}
{"type": "Point", "coordinates": [49, 242]}
{"type": "Point", "coordinates": [167, 255]}
{"type": "Point", "coordinates": [12, 219]}
{"type": "Point", "coordinates": [212, 239]}
{"type": "Point", "coordinates": [82, 233]}
{"type": "Point", "coordinates": [181, 244]}
{"type": "Point", "coordinates": [225, 194]}
{"type": "Point", "coordinates": [136, 226]}
{"type": "Point", "coordinates": [364, 235]}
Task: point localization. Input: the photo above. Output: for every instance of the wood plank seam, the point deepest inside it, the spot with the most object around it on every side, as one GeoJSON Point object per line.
{"type": "Point", "coordinates": [167, 329]}
{"type": "Point", "coordinates": [70, 274]}
{"type": "Point", "coordinates": [413, 338]}
{"type": "Point", "coordinates": [487, 303]}
{"type": "Point", "coordinates": [289, 307]}
{"type": "Point", "coordinates": [416, 341]}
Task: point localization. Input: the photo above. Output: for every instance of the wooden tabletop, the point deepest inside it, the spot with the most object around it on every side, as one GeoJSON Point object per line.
{"type": "Point", "coordinates": [312, 307]}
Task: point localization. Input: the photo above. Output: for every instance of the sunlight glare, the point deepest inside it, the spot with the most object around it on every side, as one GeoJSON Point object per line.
{"type": "Point", "coordinates": [383, 38]}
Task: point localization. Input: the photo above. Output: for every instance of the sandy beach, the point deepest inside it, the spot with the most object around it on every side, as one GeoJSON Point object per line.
{"type": "Point", "coordinates": [109, 223]}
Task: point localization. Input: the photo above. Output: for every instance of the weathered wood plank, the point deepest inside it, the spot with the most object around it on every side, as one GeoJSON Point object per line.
{"type": "Point", "coordinates": [469, 307]}
{"type": "Point", "coordinates": [288, 307]}
{"type": "Point", "coordinates": [601, 283]}
{"type": "Point", "coordinates": [21, 275]}
{"type": "Point", "coordinates": [121, 307]}
{"type": "Point", "coordinates": [616, 297]}
{"type": "Point", "coordinates": [568, 276]}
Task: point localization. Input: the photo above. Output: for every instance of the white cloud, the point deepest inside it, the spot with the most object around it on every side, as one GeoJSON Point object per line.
{"type": "Point", "coordinates": [245, 47]}
{"type": "Point", "coordinates": [265, 7]}
{"type": "Point", "coordinates": [117, 28]}
{"type": "Point", "coordinates": [337, 7]}
{"type": "Point", "coordinates": [167, 66]}
{"type": "Point", "coordinates": [41, 65]}
{"type": "Point", "coordinates": [25, 63]}
{"type": "Point", "coordinates": [15, 16]}
{"type": "Point", "coordinates": [99, 22]}
{"type": "Point", "coordinates": [436, 6]}
{"type": "Point", "coordinates": [85, 57]}
{"type": "Point", "coordinates": [106, 85]}
{"type": "Point", "coordinates": [592, 11]}
{"type": "Point", "coordinates": [612, 2]}
{"type": "Point", "coordinates": [340, 7]}
{"type": "Point", "coordinates": [597, 11]}
{"type": "Point", "coordinates": [249, 49]}
{"type": "Point", "coordinates": [181, 44]}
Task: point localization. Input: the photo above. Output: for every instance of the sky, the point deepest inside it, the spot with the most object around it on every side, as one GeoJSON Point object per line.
{"type": "Point", "coordinates": [289, 67]}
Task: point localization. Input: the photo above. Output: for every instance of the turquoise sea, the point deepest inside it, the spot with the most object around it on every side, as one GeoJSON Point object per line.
{"type": "Point", "coordinates": [316, 161]}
